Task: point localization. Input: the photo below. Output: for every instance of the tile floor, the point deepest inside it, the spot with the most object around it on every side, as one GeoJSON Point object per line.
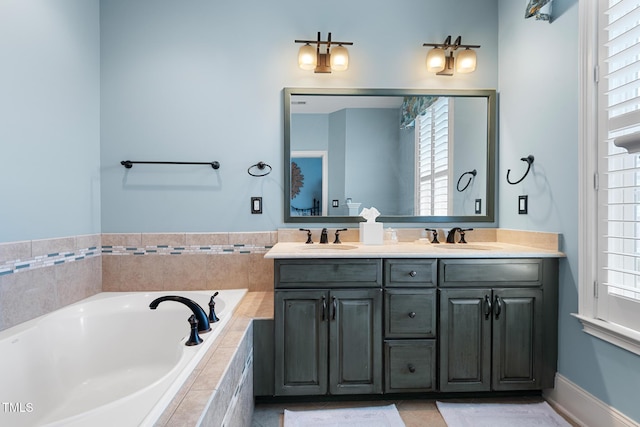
{"type": "Point", "coordinates": [414, 413]}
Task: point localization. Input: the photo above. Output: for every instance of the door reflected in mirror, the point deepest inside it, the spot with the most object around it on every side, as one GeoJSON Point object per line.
{"type": "Point", "coordinates": [409, 153]}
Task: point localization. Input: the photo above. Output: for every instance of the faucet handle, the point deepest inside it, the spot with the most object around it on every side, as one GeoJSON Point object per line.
{"type": "Point", "coordinates": [309, 241]}
{"type": "Point", "coordinates": [338, 235]}
{"type": "Point", "coordinates": [461, 231]}
{"type": "Point", "coordinates": [435, 234]}
{"type": "Point", "coordinates": [194, 338]}
{"type": "Point", "coordinates": [212, 309]}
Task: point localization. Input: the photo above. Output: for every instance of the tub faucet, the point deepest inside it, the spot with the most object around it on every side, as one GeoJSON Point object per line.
{"type": "Point", "coordinates": [198, 312]}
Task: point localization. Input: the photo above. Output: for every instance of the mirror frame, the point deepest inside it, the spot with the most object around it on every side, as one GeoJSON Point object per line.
{"type": "Point", "coordinates": [489, 94]}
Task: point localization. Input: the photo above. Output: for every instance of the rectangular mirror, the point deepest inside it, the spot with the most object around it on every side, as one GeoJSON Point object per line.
{"type": "Point", "coordinates": [415, 155]}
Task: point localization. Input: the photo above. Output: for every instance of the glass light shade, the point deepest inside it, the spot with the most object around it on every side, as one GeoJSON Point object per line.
{"type": "Point", "coordinates": [307, 58]}
{"type": "Point", "coordinates": [436, 60]}
{"type": "Point", "coordinates": [339, 58]}
{"type": "Point", "coordinates": [466, 61]}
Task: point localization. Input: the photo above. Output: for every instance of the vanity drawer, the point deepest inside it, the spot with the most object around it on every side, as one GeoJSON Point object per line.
{"type": "Point", "coordinates": [410, 365]}
{"type": "Point", "coordinates": [327, 273]}
{"type": "Point", "coordinates": [410, 313]}
{"type": "Point", "coordinates": [490, 272]}
{"type": "Point", "coordinates": [410, 272]}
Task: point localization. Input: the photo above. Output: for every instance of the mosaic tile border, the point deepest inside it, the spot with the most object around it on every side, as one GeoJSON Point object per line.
{"type": "Point", "coordinates": [118, 250]}
{"type": "Point", "coordinates": [48, 260]}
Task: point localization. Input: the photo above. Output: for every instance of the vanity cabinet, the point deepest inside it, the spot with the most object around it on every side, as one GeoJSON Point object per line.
{"type": "Point", "coordinates": [328, 340]}
{"type": "Point", "coordinates": [410, 326]}
{"type": "Point", "coordinates": [400, 325]}
{"type": "Point", "coordinates": [498, 321]}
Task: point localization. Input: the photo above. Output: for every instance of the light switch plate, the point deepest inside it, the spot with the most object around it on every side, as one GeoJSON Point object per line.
{"type": "Point", "coordinates": [335, 204]}
{"type": "Point", "coordinates": [478, 206]}
{"type": "Point", "coordinates": [256, 205]}
{"type": "Point", "coordinates": [523, 205]}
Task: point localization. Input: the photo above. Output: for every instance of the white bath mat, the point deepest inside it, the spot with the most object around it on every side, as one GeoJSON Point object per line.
{"type": "Point", "coordinates": [375, 416]}
{"type": "Point", "coordinates": [500, 415]}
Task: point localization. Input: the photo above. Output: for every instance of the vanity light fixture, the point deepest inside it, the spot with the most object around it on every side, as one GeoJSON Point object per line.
{"type": "Point", "coordinates": [333, 58]}
{"type": "Point", "coordinates": [440, 59]}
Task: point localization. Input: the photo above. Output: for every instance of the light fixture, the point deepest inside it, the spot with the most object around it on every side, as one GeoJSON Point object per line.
{"type": "Point", "coordinates": [336, 58]}
{"type": "Point", "coordinates": [440, 59]}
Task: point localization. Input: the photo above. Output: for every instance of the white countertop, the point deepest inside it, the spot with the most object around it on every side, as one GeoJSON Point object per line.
{"type": "Point", "coordinates": [418, 249]}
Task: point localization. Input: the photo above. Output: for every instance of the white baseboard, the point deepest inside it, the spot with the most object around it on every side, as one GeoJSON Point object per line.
{"type": "Point", "coordinates": [584, 408]}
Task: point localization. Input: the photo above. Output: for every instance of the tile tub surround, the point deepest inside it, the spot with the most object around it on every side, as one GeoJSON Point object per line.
{"type": "Point", "coordinates": [204, 398]}
{"type": "Point", "coordinates": [40, 276]}
{"type": "Point", "coordinates": [189, 261]}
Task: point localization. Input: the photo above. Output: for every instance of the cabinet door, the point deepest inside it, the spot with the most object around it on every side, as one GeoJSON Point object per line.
{"type": "Point", "coordinates": [517, 339]}
{"type": "Point", "coordinates": [301, 337]}
{"type": "Point", "coordinates": [355, 343]}
{"type": "Point", "coordinates": [465, 339]}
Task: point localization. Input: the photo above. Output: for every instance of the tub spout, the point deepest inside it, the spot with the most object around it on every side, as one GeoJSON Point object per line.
{"type": "Point", "coordinates": [198, 312]}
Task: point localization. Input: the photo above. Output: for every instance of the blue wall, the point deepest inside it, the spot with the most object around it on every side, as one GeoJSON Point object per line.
{"type": "Point", "coordinates": [539, 115]}
{"type": "Point", "coordinates": [49, 118]}
{"type": "Point", "coordinates": [203, 81]}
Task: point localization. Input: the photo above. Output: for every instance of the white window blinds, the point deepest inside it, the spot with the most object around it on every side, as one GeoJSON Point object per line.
{"type": "Point", "coordinates": [432, 147]}
{"type": "Point", "coordinates": [618, 299]}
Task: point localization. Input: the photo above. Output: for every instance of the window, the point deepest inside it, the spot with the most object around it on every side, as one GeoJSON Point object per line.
{"type": "Point", "coordinates": [432, 150]}
{"type": "Point", "coordinates": [610, 223]}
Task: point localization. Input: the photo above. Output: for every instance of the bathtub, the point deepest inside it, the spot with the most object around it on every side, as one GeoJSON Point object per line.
{"type": "Point", "coordinates": [107, 360]}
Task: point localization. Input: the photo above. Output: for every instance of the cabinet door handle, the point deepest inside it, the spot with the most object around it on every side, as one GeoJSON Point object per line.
{"type": "Point", "coordinates": [487, 307]}
{"type": "Point", "coordinates": [334, 302]}
{"type": "Point", "coordinates": [411, 368]}
{"type": "Point", "coordinates": [412, 314]}
{"type": "Point", "coordinates": [324, 309]}
{"type": "Point", "coordinates": [413, 273]}
{"type": "Point", "coordinates": [498, 309]}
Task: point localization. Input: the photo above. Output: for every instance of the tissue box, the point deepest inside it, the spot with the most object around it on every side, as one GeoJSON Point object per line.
{"type": "Point", "coordinates": [371, 233]}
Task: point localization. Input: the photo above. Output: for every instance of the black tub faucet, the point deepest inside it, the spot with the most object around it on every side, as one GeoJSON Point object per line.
{"type": "Point", "coordinates": [198, 312]}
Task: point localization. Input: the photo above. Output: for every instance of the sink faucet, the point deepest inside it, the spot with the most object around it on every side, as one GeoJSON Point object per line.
{"type": "Point", "coordinates": [324, 238]}
{"type": "Point", "coordinates": [451, 236]}
{"type": "Point", "coordinates": [198, 312]}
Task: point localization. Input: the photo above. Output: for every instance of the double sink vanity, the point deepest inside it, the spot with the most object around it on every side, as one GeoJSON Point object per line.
{"type": "Point", "coordinates": [409, 316]}
{"type": "Point", "coordinates": [412, 317]}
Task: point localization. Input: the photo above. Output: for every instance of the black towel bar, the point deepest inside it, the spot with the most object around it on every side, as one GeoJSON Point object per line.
{"type": "Point", "coordinates": [129, 163]}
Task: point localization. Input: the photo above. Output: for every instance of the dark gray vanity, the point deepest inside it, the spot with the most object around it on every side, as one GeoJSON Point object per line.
{"type": "Point", "coordinates": [405, 321]}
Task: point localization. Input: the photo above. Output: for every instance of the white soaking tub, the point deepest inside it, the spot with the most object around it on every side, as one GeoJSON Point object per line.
{"type": "Point", "coordinates": [108, 360]}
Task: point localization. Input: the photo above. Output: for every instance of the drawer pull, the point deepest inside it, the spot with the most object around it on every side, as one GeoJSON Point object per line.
{"type": "Point", "coordinates": [411, 368]}
{"type": "Point", "coordinates": [412, 314]}
{"type": "Point", "coordinates": [413, 273]}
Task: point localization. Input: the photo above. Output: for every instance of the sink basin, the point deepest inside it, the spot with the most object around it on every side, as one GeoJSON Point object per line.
{"type": "Point", "coordinates": [328, 247]}
{"type": "Point", "coordinates": [467, 246]}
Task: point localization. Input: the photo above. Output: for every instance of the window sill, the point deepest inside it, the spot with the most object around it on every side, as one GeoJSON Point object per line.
{"type": "Point", "coordinates": [617, 335]}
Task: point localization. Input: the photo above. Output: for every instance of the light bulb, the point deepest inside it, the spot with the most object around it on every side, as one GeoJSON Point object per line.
{"type": "Point", "coordinates": [436, 60]}
{"type": "Point", "coordinates": [466, 61]}
{"type": "Point", "coordinates": [307, 58]}
{"type": "Point", "coordinates": [339, 58]}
